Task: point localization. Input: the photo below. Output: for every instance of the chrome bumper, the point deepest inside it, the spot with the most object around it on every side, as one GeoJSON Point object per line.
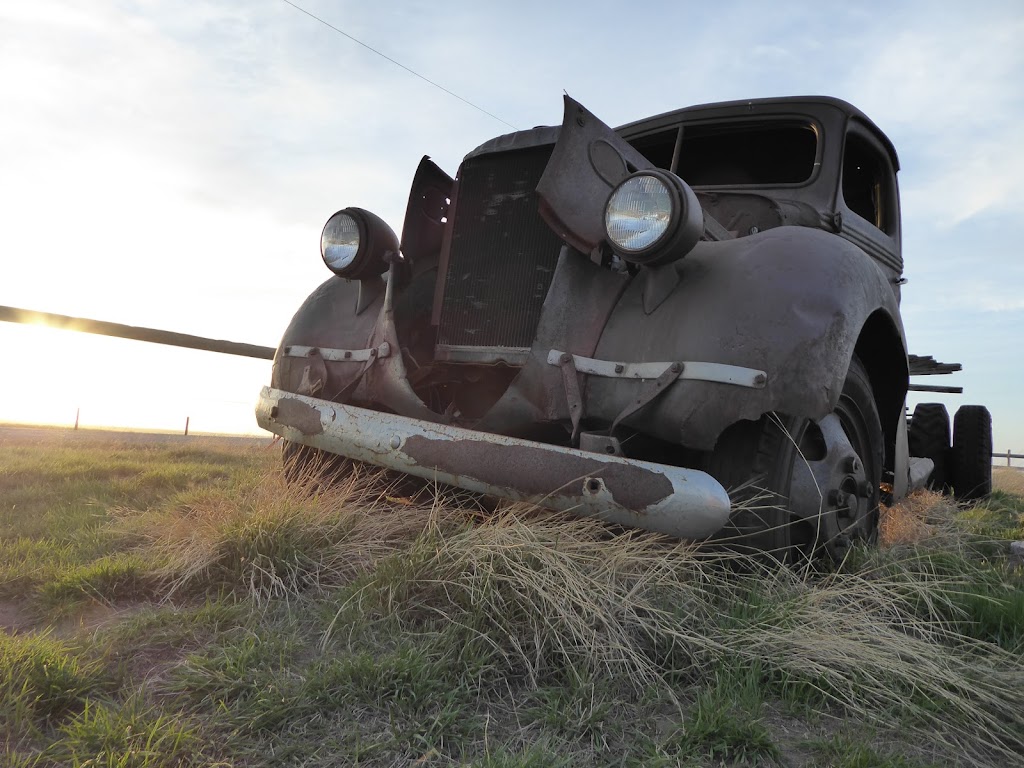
{"type": "Point", "coordinates": [657, 497]}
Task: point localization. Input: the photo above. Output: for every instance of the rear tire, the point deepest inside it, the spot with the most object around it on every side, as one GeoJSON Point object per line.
{"type": "Point", "coordinates": [928, 438]}
{"type": "Point", "coordinates": [972, 452]}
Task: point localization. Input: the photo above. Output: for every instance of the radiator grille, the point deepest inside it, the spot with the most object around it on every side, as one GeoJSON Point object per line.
{"type": "Point", "coordinates": [502, 254]}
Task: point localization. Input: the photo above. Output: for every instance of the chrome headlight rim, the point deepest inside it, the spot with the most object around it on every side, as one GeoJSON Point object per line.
{"type": "Point", "coordinates": [684, 228]}
{"type": "Point", "coordinates": [376, 244]}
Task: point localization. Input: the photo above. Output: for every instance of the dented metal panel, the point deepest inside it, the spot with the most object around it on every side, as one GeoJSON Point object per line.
{"type": "Point", "coordinates": [790, 302]}
{"type": "Point", "coordinates": [587, 162]}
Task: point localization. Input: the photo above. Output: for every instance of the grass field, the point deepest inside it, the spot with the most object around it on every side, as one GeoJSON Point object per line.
{"type": "Point", "coordinates": [176, 604]}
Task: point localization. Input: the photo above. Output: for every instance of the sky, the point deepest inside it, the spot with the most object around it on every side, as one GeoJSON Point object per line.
{"type": "Point", "coordinates": [171, 164]}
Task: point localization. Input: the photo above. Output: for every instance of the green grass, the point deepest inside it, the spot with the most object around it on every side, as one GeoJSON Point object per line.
{"type": "Point", "coordinates": [42, 680]}
{"type": "Point", "coordinates": [843, 751]}
{"type": "Point", "coordinates": [725, 722]}
{"type": "Point", "coordinates": [62, 504]}
{"type": "Point", "coordinates": [200, 612]}
{"type": "Point", "coordinates": [998, 518]}
{"type": "Point", "coordinates": [127, 735]}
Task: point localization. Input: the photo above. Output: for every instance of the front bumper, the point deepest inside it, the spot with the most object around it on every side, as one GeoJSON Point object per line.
{"type": "Point", "coordinates": [665, 499]}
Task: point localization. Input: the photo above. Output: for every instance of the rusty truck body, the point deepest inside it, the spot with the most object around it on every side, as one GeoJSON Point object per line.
{"type": "Point", "coordinates": [689, 324]}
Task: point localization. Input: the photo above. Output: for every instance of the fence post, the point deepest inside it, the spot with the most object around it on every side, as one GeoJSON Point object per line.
{"type": "Point", "coordinates": [1008, 456]}
{"type": "Point", "coordinates": [186, 426]}
{"type": "Point", "coordinates": [78, 412]}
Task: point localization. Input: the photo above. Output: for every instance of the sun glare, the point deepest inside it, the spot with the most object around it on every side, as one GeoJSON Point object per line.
{"type": "Point", "coordinates": [109, 382]}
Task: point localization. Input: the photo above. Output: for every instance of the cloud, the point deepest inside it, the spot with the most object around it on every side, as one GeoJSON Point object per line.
{"type": "Point", "coordinates": [986, 176]}
{"type": "Point", "coordinates": [947, 90]}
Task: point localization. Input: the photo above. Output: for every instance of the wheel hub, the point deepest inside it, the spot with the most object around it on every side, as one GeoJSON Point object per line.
{"type": "Point", "coordinates": [830, 490]}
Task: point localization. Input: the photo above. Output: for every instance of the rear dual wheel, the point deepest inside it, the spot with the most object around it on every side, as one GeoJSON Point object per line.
{"type": "Point", "coordinates": [928, 438]}
{"type": "Point", "coordinates": [801, 486]}
{"type": "Point", "coordinates": [971, 453]}
{"type": "Point", "coordinates": [967, 464]}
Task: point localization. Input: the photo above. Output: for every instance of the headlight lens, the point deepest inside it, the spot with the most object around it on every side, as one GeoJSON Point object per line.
{"type": "Point", "coordinates": [639, 213]}
{"type": "Point", "coordinates": [339, 242]}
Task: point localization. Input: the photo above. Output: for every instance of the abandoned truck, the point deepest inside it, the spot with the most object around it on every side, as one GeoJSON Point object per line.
{"type": "Point", "coordinates": [689, 324]}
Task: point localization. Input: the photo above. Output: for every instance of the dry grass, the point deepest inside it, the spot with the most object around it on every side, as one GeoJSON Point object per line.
{"type": "Point", "coordinates": [913, 519]}
{"type": "Point", "coordinates": [638, 607]}
{"type": "Point", "coordinates": [364, 599]}
{"type": "Point", "coordinates": [546, 593]}
{"type": "Point", "coordinates": [1008, 479]}
{"type": "Point", "coordinates": [270, 539]}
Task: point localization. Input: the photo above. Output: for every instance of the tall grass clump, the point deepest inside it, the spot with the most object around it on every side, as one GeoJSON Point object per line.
{"type": "Point", "coordinates": [41, 680]}
{"type": "Point", "coordinates": [271, 539]}
{"type": "Point", "coordinates": [126, 736]}
{"type": "Point", "coordinates": [561, 597]}
{"type": "Point", "coordinates": [113, 578]}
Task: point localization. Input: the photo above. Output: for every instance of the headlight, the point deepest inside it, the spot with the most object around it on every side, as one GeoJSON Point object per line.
{"type": "Point", "coordinates": [339, 242]}
{"type": "Point", "coordinates": [652, 218]}
{"type": "Point", "coordinates": [357, 244]}
{"type": "Point", "coordinates": [638, 214]}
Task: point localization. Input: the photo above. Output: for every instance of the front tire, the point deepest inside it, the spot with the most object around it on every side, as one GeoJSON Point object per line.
{"type": "Point", "coordinates": [800, 486]}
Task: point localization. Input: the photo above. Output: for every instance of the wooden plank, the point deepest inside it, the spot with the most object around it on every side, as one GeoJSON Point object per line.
{"type": "Point", "coordinates": [152, 335]}
{"type": "Point", "coordinates": [935, 388]}
{"type": "Point", "coordinates": [926, 365]}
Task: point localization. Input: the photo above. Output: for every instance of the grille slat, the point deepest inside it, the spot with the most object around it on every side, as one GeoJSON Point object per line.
{"type": "Point", "coordinates": [502, 256]}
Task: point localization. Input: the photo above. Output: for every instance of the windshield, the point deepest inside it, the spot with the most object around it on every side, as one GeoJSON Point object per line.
{"type": "Point", "coordinates": [732, 154]}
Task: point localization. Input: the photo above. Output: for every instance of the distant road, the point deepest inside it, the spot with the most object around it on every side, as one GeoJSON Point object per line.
{"type": "Point", "coordinates": [18, 434]}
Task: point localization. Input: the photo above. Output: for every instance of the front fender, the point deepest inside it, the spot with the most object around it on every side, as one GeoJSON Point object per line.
{"type": "Point", "coordinates": [790, 301]}
{"type": "Point", "coordinates": [330, 318]}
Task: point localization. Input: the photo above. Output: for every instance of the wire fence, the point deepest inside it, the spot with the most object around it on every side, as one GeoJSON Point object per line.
{"type": "Point", "coordinates": [196, 416]}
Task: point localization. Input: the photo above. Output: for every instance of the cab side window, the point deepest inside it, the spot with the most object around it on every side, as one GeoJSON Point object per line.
{"type": "Point", "coordinates": [867, 187]}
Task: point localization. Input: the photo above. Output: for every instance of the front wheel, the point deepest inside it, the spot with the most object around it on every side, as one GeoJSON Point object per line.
{"type": "Point", "coordinates": [801, 486]}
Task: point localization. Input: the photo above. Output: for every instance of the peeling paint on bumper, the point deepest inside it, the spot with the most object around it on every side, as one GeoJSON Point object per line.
{"type": "Point", "coordinates": [657, 497]}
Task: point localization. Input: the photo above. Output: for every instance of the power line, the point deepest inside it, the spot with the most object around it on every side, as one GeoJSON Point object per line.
{"type": "Point", "coordinates": [399, 64]}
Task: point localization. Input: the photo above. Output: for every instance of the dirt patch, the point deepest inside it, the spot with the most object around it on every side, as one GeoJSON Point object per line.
{"type": "Point", "coordinates": [14, 618]}
{"type": "Point", "coordinates": [93, 617]}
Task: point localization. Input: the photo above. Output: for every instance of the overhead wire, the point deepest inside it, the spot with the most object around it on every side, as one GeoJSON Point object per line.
{"type": "Point", "coordinates": [399, 64]}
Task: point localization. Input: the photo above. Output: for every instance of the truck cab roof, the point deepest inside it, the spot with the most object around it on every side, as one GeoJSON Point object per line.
{"type": "Point", "coordinates": [824, 108]}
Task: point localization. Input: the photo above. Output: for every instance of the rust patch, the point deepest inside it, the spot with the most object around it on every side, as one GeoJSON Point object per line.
{"type": "Point", "coordinates": [536, 471]}
{"type": "Point", "coordinates": [295, 413]}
